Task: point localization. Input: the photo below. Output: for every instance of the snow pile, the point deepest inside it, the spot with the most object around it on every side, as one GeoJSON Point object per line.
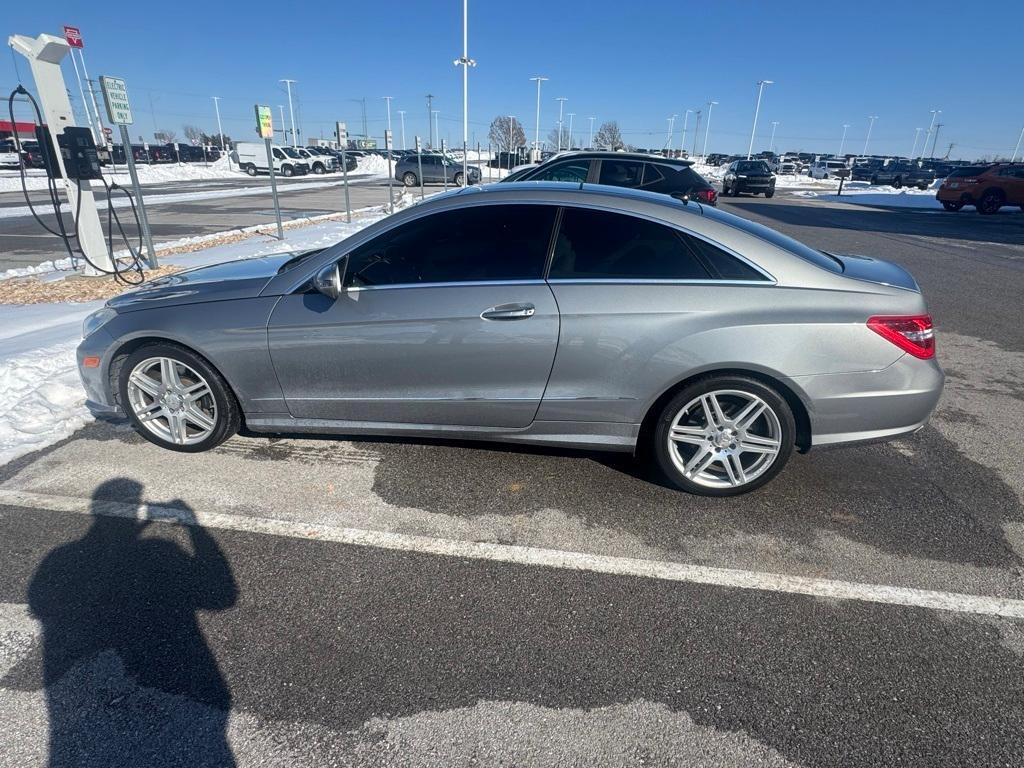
{"type": "Point", "coordinates": [861, 193]}
{"type": "Point", "coordinates": [41, 397]}
{"type": "Point", "coordinates": [374, 165]}
{"type": "Point", "coordinates": [148, 174]}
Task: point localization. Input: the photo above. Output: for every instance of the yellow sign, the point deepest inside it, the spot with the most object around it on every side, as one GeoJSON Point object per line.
{"type": "Point", "coordinates": [264, 122]}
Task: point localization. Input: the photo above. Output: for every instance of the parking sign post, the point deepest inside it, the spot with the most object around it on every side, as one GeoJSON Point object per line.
{"type": "Point", "coordinates": [391, 174]}
{"type": "Point", "coordinates": [341, 129]}
{"type": "Point", "coordinates": [265, 128]}
{"type": "Point", "coordinates": [419, 165]}
{"type": "Point", "coordinates": [119, 110]}
{"type": "Point", "coordinates": [444, 163]}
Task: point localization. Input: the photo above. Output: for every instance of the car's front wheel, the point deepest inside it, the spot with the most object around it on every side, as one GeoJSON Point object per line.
{"type": "Point", "coordinates": [176, 399]}
{"type": "Point", "coordinates": [723, 436]}
{"type": "Point", "coordinates": [459, 179]}
{"type": "Point", "coordinates": [770, 192]}
{"type": "Point", "coordinates": [952, 205]}
{"type": "Point", "coordinates": [990, 202]}
{"type": "Point", "coordinates": [409, 179]}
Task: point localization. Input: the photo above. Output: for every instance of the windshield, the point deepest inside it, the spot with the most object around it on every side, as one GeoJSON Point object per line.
{"type": "Point", "coordinates": [973, 170]}
{"type": "Point", "coordinates": [751, 166]}
{"type": "Point", "coordinates": [291, 153]}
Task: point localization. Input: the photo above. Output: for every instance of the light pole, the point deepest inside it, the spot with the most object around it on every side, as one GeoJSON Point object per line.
{"type": "Point", "coordinates": [917, 136]}
{"type": "Point", "coordinates": [842, 142]}
{"type": "Point", "coordinates": [760, 89]}
{"type": "Point", "coordinates": [436, 129]}
{"type": "Point", "coordinates": [671, 131]}
{"type": "Point", "coordinates": [291, 110]}
{"type": "Point", "coordinates": [771, 144]}
{"type": "Point", "coordinates": [707, 130]}
{"type": "Point", "coordinates": [590, 144]}
{"type": "Point", "coordinates": [935, 139]}
{"type": "Point", "coordinates": [536, 133]}
{"type": "Point", "coordinates": [284, 129]}
{"type": "Point", "coordinates": [387, 100]}
{"type": "Point", "coordinates": [465, 62]}
{"type": "Point", "coordinates": [561, 106]}
{"type": "Point", "coordinates": [430, 117]}
{"type": "Point", "coordinates": [696, 131]}
{"type": "Point", "coordinates": [571, 116]}
{"type": "Point", "coordinates": [401, 118]}
{"type": "Point", "coordinates": [511, 125]}
{"type": "Point", "coordinates": [682, 137]}
{"type": "Point", "coordinates": [931, 125]}
{"type": "Point", "coordinates": [216, 108]}
{"type": "Point", "coordinates": [867, 138]}
{"type": "Point", "coordinates": [1016, 149]}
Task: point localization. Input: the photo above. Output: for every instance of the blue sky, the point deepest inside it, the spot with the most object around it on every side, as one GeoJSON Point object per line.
{"type": "Point", "coordinates": [636, 63]}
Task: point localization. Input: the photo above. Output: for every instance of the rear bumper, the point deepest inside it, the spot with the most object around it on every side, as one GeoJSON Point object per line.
{"type": "Point", "coordinates": [871, 405]}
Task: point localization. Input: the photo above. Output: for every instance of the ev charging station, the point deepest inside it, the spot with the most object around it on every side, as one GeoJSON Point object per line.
{"type": "Point", "coordinates": [45, 54]}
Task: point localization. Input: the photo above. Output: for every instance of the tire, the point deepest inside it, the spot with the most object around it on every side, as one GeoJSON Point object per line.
{"type": "Point", "coordinates": [318, 168]}
{"type": "Point", "coordinates": [287, 170]}
{"type": "Point", "coordinates": [409, 179]}
{"type": "Point", "coordinates": [770, 192]}
{"type": "Point", "coordinates": [770, 435]}
{"type": "Point", "coordinates": [459, 179]}
{"type": "Point", "coordinates": [873, 181]}
{"type": "Point", "coordinates": [897, 183]}
{"type": "Point", "coordinates": [952, 205]}
{"type": "Point", "coordinates": [177, 424]}
{"type": "Point", "coordinates": [251, 170]}
{"type": "Point", "coordinates": [990, 202]}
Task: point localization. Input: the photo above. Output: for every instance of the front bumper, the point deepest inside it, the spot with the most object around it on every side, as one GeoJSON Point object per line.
{"type": "Point", "coordinates": [100, 399]}
{"type": "Point", "coordinates": [871, 405]}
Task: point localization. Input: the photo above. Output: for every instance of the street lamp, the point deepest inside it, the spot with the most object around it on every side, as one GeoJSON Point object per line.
{"type": "Point", "coordinates": [511, 125]}
{"type": "Point", "coordinates": [284, 129]}
{"type": "Point", "coordinates": [682, 137]}
{"type": "Point", "coordinates": [867, 138]}
{"type": "Point", "coordinates": [771, 144]}
{"type": "Point", "coordinates": [571, 116]}
{"type": "Point", "coordinates": [430, 124]}
{"type": "Point", "coordinates": [671, 131]}
{"type": "Point", "coordinates": [436, 129]}
{"type": "Point", "coordinates": [590, 144]}
{"type": "Point", "coordinates": [216, 107]}
{"type": "Point", "coordinates": [917, 135]}
{"type": "Point", "coordinates": [842, 142]}
{"type": "Point", "coordinates": [561, 106]}
{"type": "Point", "coordinates": [760, 89]}
{"type": "Point", "coordinates": [465, 62]}
{"type": "Point", "coordinates": [291, 110]}
{"type": "Point", "coordinates": [536, 133]}
{"type": "Point", "coordinates": [931, 125]}
{"type": "Point", "coordinates": [707, 130]}
{"type": "Point", "coordinates": [387, 100]}
{"type": "Point", "coordinates": [1016, 149]}
{"type": "Point", "coordinates": [401, 117]}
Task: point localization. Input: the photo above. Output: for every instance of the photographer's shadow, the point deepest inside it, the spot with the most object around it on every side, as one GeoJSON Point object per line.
{"type": "Point", "coordinates": [128, 674]}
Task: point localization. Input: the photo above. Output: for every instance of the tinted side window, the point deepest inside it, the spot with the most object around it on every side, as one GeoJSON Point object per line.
{"type": "Point", "coordinates": [722, 264]}
{"type": "Point", "coordinates": [675, 180]}
{"type": "Point", "coordinates": [602, 245]}
{"type": "Point", "coordinates": [278, 154]}
{"type": "Point", "coordinates": [574, 171]}
{"type": "Point", "coordinates": [482, 243]}
{"type": "Point", "coordinates": [621, 173]}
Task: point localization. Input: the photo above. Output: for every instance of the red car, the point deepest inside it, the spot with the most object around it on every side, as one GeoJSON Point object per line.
{"type": "Point", "coordinates": [987, 187]}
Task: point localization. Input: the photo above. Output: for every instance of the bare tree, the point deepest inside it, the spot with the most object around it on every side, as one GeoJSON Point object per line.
{"type": "Point", "coordinates": [554, 141]}
{"type": "Point", "coordinates": [192, 133]}
{"type": "Point", "coordinates": [166, 136]}
{"type": "Point", "coordinates": [609, 136]}
{"type": "Point", "coordinates": [506, 134]}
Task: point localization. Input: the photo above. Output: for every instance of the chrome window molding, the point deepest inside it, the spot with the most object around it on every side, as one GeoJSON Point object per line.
{"type": "Point", "coordinates": [457, 284]}
{"type": "Point", "coordinates": [655, 281]}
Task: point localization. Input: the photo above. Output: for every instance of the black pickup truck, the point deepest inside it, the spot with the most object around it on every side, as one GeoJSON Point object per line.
{"type": "Point", "coordinates": [899, 174]}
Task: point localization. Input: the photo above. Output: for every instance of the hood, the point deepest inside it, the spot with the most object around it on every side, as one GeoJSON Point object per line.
{"type": "Point", "coordinates": [876, 271]}
{"type": "Point", "coordinates": [241, 279]}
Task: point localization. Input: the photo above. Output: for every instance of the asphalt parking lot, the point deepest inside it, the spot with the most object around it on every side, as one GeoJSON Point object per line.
{"type": "Point", "coordinates": [374, 602]}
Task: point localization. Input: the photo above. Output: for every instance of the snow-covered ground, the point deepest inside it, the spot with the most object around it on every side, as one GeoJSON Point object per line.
{"type": "Point", "coordinates": [41, 397]}
{"type": "Point", "coordinates": [161, 173]}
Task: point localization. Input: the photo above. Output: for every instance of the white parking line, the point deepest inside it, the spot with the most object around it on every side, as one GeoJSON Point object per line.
{"type": "Point", "coordinates": [552, 558]}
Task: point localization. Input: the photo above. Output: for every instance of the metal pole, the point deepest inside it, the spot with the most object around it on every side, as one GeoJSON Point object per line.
{"type": "Point", "coordinates": [391, 174]}
{"type": "Point", "coordinates": [444, 168]}
{"type": "Point", "coordinates": [867, 138]}
{"type": "Point", "coordinates": [590, 144]}
{"type": "Point", "coordinates": [917, 136]}
{"type": "Point", "coordinates": [935, 139]}
{"type": "Point", "coordinates": [85, 104]}
{"type": "Point", "coordinates": [147, 236]}
{"type": "Point", "coordinates": [931, 125]}
{"type": "Point", "coordinates": [682, 136]}
{"type": "Point", "coordinates": [401, 118]}
{"type": "Point", "coordinates": [696, 132]}
{"type": "Point", "coordinates": [344, 178]}
{"type": "Point", "coordinates": [490, 168]}
{"type": "Point", "coordinates": [419, 164]}
{"type": "Point", "coordinates": [1016, 149]}
{"type": "Point", "coordinates": [671, 132]}
{"type": "Point", "coordinates": [92, 93]}
{"type": "Point", "coordinates": [707, 130]}
{"type": "Point", "coordinates": [760, 89]}
{"type": "Point", "coordinates": [571, 116]}
{"type": "Point", "coordinates": [842, 142]}
{"type": "Point", "coordinates": [511, 124]}
{"type": "Point", "coordinates": [223, 147]}
{"type": "Point", "coordinates": [561, 106]}
{"type": "Point", "coordinates": [465, 62]}
{"type": "Point", "coordinates": [273, 189]}
{"type": "Point", "coordinates": [291, 110]}
{"type": "Point", "coordinates": [284, 130]}
{"type": "Point", "coordinates": [365, 129]}
{"type": "Point", "coordinates": [536, 132]}
{"type": "Point", "coordinates": [771, 144]}
{"type": "Point", "coordinates": [430, 124]}
{"type": "Point", "coordinates": [437, 130]}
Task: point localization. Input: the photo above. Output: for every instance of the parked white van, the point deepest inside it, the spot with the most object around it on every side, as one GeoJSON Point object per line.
{"type": "Point", "coordinates": [251, 157]}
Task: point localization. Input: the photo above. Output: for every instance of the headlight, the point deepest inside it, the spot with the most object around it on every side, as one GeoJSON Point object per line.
{"type": "Point", "coordinates": [97, 320]}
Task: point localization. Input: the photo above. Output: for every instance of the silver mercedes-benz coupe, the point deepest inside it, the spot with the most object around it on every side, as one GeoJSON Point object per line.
{"type": "Point", "coordinates": [534, 313]}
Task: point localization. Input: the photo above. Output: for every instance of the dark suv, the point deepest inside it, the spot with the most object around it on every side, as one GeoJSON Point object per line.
{"type": "Point", "coordinates": [625, 169]}
{"type": "Point", "coordinates": [987, 187]}
{"type": "Point", "coordinates": [753, 176]}
{"type": "Point", "coordinates": [898, 174]}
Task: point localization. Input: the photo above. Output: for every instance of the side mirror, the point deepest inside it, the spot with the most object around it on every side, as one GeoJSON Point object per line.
{"type": "Point", "coordinates": [330, 279]}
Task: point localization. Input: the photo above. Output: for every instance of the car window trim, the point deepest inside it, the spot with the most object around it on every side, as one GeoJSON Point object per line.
{"type": "Point", "coordinates": [769, 278]}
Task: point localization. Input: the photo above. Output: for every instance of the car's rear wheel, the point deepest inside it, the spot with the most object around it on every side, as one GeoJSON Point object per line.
{"type": "Point", "coordinates": [897, 183]}
{"type": "Point", "coordinates": [459, 179]}
{"type": "Point", "coordinates": [952, 205]}
{"type": "Point", "coordinates": [770, 192]}
{"type": "Point", "coordinates": [723, 436]}
{"type": "Point", "coordinates": [176, 400]}
{"type": "Point", "coordinates": [990, 202]}
{"type": "Point", "coordinates": [251, 170]}
{"type": "Point", "coordinates": [409, 179]}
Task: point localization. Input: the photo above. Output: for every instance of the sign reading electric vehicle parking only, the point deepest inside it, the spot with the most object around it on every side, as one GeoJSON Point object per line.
{"type": "Point", "coordinates": [115, 96]}
{"type": "Point", "coordinates": [264, 122]}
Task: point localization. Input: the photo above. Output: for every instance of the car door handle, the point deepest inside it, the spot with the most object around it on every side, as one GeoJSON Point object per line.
{"type": "Point", "coordinates": [509, 312]}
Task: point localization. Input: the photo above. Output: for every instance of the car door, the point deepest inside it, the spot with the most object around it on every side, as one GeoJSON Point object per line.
{"type": "Point", "coordinates": [446, 320]}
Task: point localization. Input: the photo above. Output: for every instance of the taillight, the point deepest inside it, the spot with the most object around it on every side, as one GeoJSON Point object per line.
{"type": "Point", "coordinates": [911, 333]}
{"type": "Point", "coordinates": [707, 195]}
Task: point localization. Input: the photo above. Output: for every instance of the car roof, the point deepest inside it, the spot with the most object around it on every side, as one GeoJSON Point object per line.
{"type": "Point", "coordinates": [601, 154]}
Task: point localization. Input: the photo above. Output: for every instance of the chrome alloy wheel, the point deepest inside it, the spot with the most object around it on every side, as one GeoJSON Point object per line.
{"type": "Point", "coordinates": [172, 401]}
{"type": "Point", "coordinates": [725, 439]}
